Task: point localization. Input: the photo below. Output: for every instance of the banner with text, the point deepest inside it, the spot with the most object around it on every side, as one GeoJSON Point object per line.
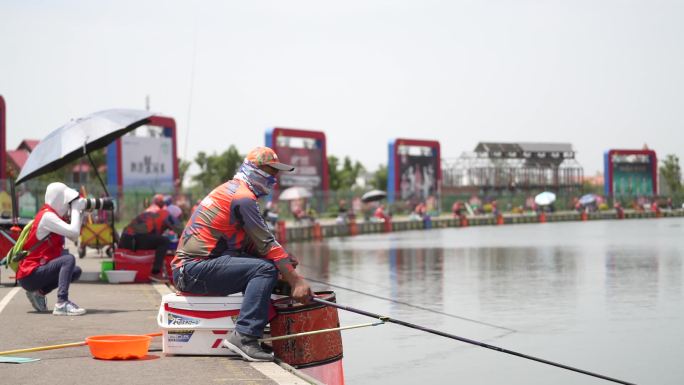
{"type": "Point", "coordinates": [147, 162]}
{"type": "Point", "coordinates": [308, 164]}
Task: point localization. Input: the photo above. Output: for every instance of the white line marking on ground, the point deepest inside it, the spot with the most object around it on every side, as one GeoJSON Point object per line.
{"type": "Point", "coordinates": [161, 288]}
{"type": "Point", "coordinates": [277, 374]}
{"type": "Point", "coordinates": [8, 298]}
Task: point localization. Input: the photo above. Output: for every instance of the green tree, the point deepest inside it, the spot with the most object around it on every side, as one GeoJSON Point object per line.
{"type": "Point", "coordinates": [380, 178]}
{"type": "Point", "coordinates": [672, 173]}
{"type": "Point", "coordinates": [216, 169]}
{"type": "Point", "coordinates": [344, 177]}
{"type": "Point", "coordinates": [333, 173]}
{"type": "Point", "coordinates": [183, 166]}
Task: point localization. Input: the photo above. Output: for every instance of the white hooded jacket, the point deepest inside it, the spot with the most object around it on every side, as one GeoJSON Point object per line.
{"type": "Point", "coordinates": [61, 198]}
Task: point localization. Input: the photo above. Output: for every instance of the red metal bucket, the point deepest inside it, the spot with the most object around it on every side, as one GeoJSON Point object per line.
{"type": "Point", "coordinates": [306, 351]}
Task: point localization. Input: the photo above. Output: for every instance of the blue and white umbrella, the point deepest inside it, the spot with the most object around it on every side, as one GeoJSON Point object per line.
{"type": "Point", "coordinates": [587, 199]}
{"type": "Point", "coordinates": [545, 198]}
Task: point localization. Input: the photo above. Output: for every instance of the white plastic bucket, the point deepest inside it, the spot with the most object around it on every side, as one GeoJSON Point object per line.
{"type": "Point", "coordinates": [121, 276]}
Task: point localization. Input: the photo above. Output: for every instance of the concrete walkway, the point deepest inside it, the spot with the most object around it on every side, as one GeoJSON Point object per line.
{"type": "Point", "coordinates": [112, 309]}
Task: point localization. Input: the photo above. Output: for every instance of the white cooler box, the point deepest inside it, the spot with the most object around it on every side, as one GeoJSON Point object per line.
{"type": "Point", "coordinates": [197, 325]}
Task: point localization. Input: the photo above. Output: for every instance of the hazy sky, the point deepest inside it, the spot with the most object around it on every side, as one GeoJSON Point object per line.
{"type": "Point", "coordinates": [598, 74]}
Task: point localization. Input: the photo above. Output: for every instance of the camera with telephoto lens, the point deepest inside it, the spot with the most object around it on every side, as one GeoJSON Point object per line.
{"type": "Point", "coordinates": [99, 204]}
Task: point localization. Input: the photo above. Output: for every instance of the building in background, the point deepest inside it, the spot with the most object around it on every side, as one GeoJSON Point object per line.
{"type": "Point", "coordinates": [630, 173]}
{"type": "Point", "coordinates": [494, 168]}
{"type": "Point", "coordinates": [306, 151]}
{"type": "Point", "coordinates": [144, 163]}
{"type": "Point", "coordinates": [414, 171]}
{"type": "Point", "coordinates": [17, 158]}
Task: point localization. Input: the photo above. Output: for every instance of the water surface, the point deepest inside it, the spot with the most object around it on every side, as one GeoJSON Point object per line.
{"type": "Point", "coordinates": [603, 296]}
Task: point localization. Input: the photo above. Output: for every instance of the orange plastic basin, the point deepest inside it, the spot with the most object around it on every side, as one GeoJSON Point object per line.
{"type": "Point", "coordinates": [118, 347]}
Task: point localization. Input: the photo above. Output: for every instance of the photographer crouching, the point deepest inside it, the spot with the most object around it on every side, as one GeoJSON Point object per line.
{"type": "Point", "coordinates": [48, 266]}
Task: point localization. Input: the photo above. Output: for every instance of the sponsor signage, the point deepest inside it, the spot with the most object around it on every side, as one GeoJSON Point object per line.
{"type": "Point", "coordinates": [179, 336]}
{"type": "Point", "coordinates": [308, 164]}
{"type": "Point", "coordinates": [147, 162]}
{"type": "Point", "coordinates": [178, 320]}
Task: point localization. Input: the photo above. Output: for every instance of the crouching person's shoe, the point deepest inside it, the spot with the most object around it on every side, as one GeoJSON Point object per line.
{"type": "Point", "coordinates": [68, 308]}
{"type": "Point", "coordinates": [37, 300]}
{"type": "Point", "coordinates": [246, 346]}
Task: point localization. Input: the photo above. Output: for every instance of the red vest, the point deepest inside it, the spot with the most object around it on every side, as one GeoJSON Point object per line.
{"type": "Point", "coordinates": [45, 252]}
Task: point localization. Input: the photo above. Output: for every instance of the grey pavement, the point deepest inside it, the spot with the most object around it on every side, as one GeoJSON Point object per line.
{"type": "Point", "coordinates": [112, 309]}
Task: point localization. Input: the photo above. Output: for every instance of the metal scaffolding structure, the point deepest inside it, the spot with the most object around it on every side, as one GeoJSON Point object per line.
{"type": "Point", "coordinates": [498, 167]}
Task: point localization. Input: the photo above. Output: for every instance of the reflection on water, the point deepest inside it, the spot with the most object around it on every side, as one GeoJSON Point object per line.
{"type": "Point", "coordinates": [605, 296]}
{"type": "Point", "coordinates": [631, 278]}
{"type": "Point", "coordinates": [412, 268]}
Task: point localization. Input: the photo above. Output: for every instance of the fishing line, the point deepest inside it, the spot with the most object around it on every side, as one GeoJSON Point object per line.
{"type": "Point", "coordinates": [509, 330]}
{"type": "Point", "coordinates": [466, 340]}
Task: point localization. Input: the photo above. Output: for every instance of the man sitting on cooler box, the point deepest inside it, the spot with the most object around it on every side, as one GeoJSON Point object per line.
{"type": "Point", "coordinates": [226, 248]}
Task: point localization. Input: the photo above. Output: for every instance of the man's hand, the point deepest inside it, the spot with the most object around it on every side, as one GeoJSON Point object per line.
{"type": "Point", "coordinates": [301, 291]}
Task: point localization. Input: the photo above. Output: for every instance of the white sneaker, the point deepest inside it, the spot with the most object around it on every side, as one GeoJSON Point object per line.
{"type": "Point", "coordinates": [68, 308]}
{"type": "Point", "coordinates": [38, 301]}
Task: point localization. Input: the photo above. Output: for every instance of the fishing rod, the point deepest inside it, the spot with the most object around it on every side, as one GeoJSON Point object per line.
{"type": "Point", "coordinates": [509, 330]}
{"type": "Point", "coordinates": [314, 332]}
{"type": "Point", "coordinates": [466, 340]}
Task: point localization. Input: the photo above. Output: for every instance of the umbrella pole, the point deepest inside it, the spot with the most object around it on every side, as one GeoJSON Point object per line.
{"type": "Point", "coordinates": [97, 172]}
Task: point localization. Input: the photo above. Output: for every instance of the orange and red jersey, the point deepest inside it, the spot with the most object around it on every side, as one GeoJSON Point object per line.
{"type": "Point", "coordinates": [227, 222]}
{"type": "Point", "coordinates": [149, 222]}
{"type": "Point", "coordinates": [50, 249]}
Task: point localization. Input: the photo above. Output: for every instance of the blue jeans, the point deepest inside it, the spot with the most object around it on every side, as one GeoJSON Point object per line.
{"type": "Point", "coordinates": [56, 274]}
{"type": "Point", "coordinates": [225, 275]}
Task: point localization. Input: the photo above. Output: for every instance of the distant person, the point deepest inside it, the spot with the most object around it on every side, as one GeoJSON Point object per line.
{"type": "Point", "coordinates": [158, 203]}
{"type": "Point", "coordinates": [495, 208]}
{"type": "Point", "coordinates": [654, 206]}
{"type": "Point", "coordinates": [270, 215]}
{"type": "Point", "coordinates": [303, 213]}
{"type": "Point", "coordinates": [145, 232]}
{"type": "Point", "coordinates": [619, 211]}
{"type": "Point", "coordinates": [356, 207]}
{"type": "Point", "coordinates": [380, 214]}
{"type": "Point", "coordinates": [458, 209]}
{"type": "Point", "coordinates": [48, 266]}
{"type": "Point", "coordinates": [577, 205]}
{"type": "Point", "coordinates": [418, 212]}
{"type": "Point", "coordinates": [420, 209]}
{"type": "Point", "coordinates": [530, 204]}
{"type": "Point", "coordinates": [342, 213]}
{"type": "Point", "coordinates": [311, 214]}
